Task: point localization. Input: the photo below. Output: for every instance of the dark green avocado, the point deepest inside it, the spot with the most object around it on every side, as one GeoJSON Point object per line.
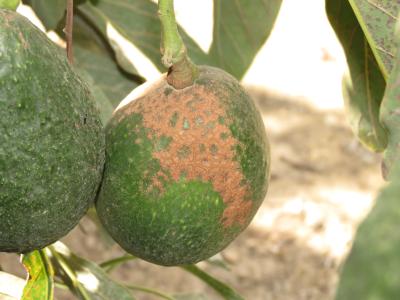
{"type": "Point", "coordinates": [186, 170]}
{"type": "Point", "coordinates": [51, 139]}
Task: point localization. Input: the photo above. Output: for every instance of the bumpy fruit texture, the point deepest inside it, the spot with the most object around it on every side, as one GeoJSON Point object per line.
{"type": "Point", "coordinates": [51, 139]}
{"type": "Point", "coordinates": [186, 170]}
{"type": "Point", "coordinates": [9, 4]}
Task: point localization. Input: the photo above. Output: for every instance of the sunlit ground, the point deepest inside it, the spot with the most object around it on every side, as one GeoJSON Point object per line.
{"type": "Point", "coordinates": [322, 183]}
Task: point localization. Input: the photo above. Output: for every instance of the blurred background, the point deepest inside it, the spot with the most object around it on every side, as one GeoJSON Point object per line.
{"type": "Point", "coordinates": [322, 183]}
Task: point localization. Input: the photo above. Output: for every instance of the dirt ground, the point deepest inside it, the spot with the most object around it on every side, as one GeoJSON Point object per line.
{"type": "Point", "coordinates": [322, 184]}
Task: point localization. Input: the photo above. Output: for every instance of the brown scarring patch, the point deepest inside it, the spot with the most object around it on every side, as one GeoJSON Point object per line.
{"type": "Point", "coordinates": [198, 149]}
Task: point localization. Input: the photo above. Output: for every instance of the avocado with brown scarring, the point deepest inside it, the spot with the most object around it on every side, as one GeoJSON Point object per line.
{"type": "Point", "coordinates": [186, 169]}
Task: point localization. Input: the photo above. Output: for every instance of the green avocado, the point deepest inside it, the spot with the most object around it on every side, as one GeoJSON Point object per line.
{"type": "Point", "coordinates": [186, 170]}
{"type": "Point", "coordinates": [51, 139]}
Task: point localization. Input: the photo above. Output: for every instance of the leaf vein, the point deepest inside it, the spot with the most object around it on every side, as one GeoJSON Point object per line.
{"type": "Point", "coordinates": [385, 51]}
{"type": "Point", "coordinates": [246, 27]}
{"type": "Point", "coordinates": [234, 44]}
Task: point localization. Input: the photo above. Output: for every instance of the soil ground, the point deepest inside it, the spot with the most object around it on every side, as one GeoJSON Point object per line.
{"type": "Point", "coordinates": [322, 184]}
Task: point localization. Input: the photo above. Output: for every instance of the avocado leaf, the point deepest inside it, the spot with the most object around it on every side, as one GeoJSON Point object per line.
{"type": "Point", "coordinates": [9, 4]}
{"type": "Point", "coordinates": [391, 118]}
{"type": "Point", "coordinates": [241, 27]}
{"type": "Point", "coordinates": [371, 271]}
{"type": "Point", "coordinates": [364, 85]}
{"type": "Point", "coordinates": [86, 279]}
{"type": "Point", "coordinates": [378, 21]}
{"type": "Point", "coordinates": [95, 62]}
{"type": "Point", "coordinates": [40, 283]}
{"type": "Point", "coordinates": [221, 288]}
{"type": "Point", "coordinates": [138, 22]}
{"type": "Point", "coordinates": [50, 12]}
{"type": "Point", "coordinates": [190, 297]}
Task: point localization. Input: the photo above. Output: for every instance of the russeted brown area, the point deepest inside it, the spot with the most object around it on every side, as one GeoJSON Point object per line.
{"type": "Point", "coordinates": [201, 145]}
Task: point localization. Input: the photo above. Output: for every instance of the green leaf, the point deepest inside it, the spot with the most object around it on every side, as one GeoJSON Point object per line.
{"type": "Point", "coordinates": [93, 62]}
{"type": "Point", "coordinates": [390, 116]}
{"type": "Point", "coordinates": [103, 103]}
{"type": "Point", "coordinates": [138, 22]}
{"type": "Point", "coordinates": [40, 283]}
{"type": "Point", "coordinates": [371, 272]}
{"type": "Point", "coordinates": [11, 286]}
{"type": "Point", "coordinates": [218, 261]}
{"type": "Point", "coordinates": [115, 262]}
{"type": "Point", "coordinates": [241, 27]}
{"type": "Point", "coordinates": [109, 83]}
{"type": "Point", "coordinates": [378, 21]}
{"type": "Point", "coordinates": [87, 279]}
{"type": "Point", "coordinates": [146, 290]}
{"type": "Point", "coordinates": [50, 12]}
{"type": "Point", "coordinates": [190, 297]}
{"type": "Point", "coordinates": [87, 35]}
{"type": "Point", "coordinates": [9, 4]}
{"type": "Point", "coordinates": [225, 291]}
{"type": "Point", "coordinates": [106, 75]}
{"type": "Point", "coordinates": [364, 86]}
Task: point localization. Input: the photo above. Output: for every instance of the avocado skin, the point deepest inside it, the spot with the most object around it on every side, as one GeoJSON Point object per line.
{"type": "Point", "coordinates": [172, 207]}
{"type": "Point", "coordinates": [51, 139]}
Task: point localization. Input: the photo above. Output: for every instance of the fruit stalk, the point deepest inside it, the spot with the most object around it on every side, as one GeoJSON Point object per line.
{"type": "Point", "coordinates": [68, 30]}
{"type": "Point", "coordinates": [181, 71]}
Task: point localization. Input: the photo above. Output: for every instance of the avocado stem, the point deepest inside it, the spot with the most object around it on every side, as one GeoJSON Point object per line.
{"type": "Point", "coordinates": [68, 30]}
{"type": "Point", "coordinates": [181, 70]}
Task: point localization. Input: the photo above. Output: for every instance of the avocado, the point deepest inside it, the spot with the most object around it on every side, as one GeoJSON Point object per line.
{"type": "Point", "coordinates": [51, 139]}
{"type": "Point", "coordinates": [186, 169]}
